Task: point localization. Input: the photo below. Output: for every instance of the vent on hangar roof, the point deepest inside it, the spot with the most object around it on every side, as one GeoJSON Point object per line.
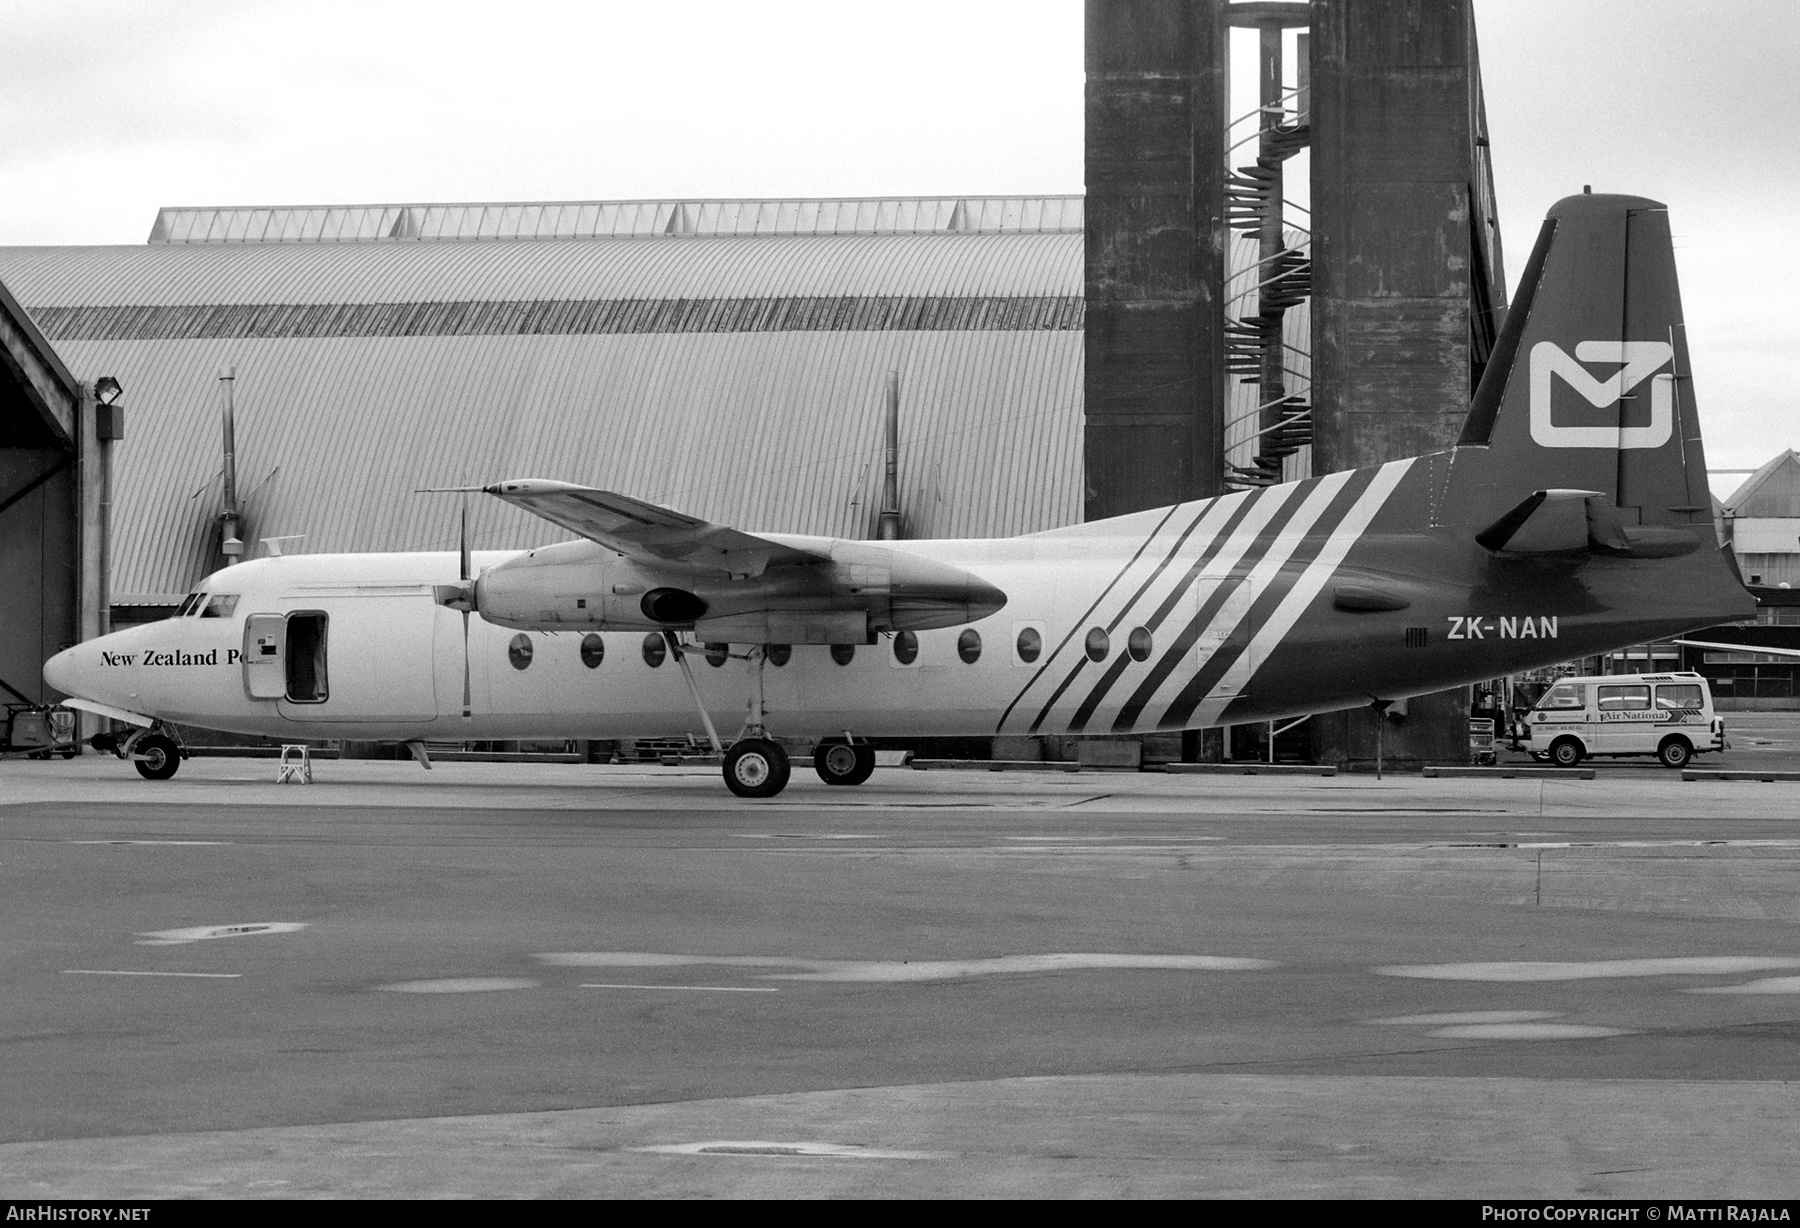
{"type": "Point", "coordinates": [620, 219]}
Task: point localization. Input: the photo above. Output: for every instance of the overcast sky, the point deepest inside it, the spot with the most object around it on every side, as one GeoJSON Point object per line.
{"type": "Point", "coordinates": [112, 108]}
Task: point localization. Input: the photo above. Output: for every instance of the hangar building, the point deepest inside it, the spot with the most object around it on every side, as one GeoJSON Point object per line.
{"type": "Point", "coordinates": [728, 358]}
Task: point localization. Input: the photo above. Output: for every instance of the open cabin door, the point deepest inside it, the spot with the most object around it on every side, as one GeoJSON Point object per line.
{"type": "Point", "coordinates": [355, 656]}
{"type": "Point", "coordinates": [265, 641]}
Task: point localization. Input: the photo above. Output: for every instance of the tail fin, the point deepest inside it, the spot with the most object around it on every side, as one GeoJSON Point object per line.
{"type": "Point", "coordinates": [1588, 387]}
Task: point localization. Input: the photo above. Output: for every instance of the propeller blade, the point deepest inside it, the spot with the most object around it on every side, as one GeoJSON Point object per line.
{"type": "Point", "coordinates": [468, 563]}
{"type": "Point", "coordinates": [467, 694]}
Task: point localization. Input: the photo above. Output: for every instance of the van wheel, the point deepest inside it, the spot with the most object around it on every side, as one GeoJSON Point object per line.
{"type": "Point", "coordinates": [160, 758]}
{"type": "Point", "coordinates": [1565, 752]}
{"type": "Point", "coordinates": [1674, 752]}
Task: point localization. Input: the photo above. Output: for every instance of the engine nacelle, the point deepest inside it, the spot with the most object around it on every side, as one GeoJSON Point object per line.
{"type": "Point", "coordinates": [850, 592]}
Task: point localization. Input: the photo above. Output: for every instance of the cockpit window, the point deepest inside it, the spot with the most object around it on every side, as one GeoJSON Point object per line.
{"type": "Point", "coordinates": [221, 606]}
{"type": "Point", "coordinates": [189, 604]}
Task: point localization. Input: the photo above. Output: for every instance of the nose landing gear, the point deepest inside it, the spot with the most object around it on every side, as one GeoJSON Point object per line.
{"type": "Point", "coordinates": [155, 752]}
{"type": "Point", "coordinates": [155, 756]}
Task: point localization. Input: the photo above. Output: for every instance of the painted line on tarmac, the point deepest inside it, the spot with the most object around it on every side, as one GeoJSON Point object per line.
{"type": "Point", "coordinates": [1451, 1018]}
{"type": "Point", "coordinates": [1527, 1031]}
{"type": "Point", "coordinates": [1652, 844]}
{"type": "Point", "coordinates": [759, 1149]}
{"type": "Point", "coordinates": [760, 835]}
{"type": "Point", "coordinates": [893, 971]}
{"type": "Point", "coordinates": [1544, 970]}
{"type": "Point", "coordinates": [1768, 984]}
{"type": "Point", "coordinates": [1501, 1025]}
{"type": "Point", "coordinates": [219, 976]}
{"type": "Point", "coordinates": [694, 988]}
{"type": "Point", "coordinates": [200, 933]}
{"type": "Point", "coordinates": [179, 843]}
{"type": "Point", "coordinates": [460, 984]}
{"type": "Point", "coordinates": [1170, 844]}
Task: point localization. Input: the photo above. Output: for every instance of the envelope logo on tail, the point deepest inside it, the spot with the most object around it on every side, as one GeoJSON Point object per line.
{"type": "Point", "coordinates": [1640, 361]}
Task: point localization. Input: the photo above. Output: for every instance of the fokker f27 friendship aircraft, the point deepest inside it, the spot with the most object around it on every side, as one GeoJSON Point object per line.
{"type": "Point", "coordinates": [1571, 517]}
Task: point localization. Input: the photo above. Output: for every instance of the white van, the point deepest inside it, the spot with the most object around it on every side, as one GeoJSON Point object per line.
{"type": "Point", "coordinates": [1667, 715]}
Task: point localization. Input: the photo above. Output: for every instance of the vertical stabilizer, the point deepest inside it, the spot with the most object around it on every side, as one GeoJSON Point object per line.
{"type": "Point", "coordinates": [1588, 387]}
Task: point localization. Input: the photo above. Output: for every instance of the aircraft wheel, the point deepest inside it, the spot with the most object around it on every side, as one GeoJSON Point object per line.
{"type": "Point", "coordinates": [756, 767]}
{"type": "Point", "coordinates": [839, 763]}
{"type": "Point", "coordinates": [1674, 752]}
{"type": "Point", "coordinates": [1565, 752]}
{"type": "Point", "coordinates": [160, 757]}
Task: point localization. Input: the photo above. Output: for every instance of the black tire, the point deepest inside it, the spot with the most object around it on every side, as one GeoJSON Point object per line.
{"type": "Point", "coordinates": [839, 763]}
{"type": "Point", "coordinates": [1566, 753]}
{"type": "Point", "coordinates": [1675, 752]}
{"type": "Point", "coordinates": [160, 760]}
{"type": "Point", "coordinates": [756, 767]}
{"type": "Point", "coordinates": [68, 754]}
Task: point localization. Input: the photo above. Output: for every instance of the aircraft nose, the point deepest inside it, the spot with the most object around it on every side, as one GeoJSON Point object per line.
{"type": "Point", "coordinates": [60, 672]}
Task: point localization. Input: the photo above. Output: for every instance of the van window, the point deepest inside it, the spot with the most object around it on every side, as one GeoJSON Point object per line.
{"type": "Point", "coordinates": [1621, 698]}
{"type": "Point", "coordinates": [1562, 695]}
{"type": "Point", "coordinates": [1679, 695]}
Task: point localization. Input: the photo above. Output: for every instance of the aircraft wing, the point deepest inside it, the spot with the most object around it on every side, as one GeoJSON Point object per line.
{"type": "Point", "coordinates": [646, 531]}
{"type": "Point", "coordinates": [1764, 648]}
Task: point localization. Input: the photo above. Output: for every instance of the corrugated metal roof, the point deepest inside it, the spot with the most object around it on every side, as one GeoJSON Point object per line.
{"type": "Point", "coordinates": [1772, 491]}
{"type": "Point", "coordinates": [945, 265]}
{"type": "Point", "coordinates": [366, 370]}
{"type": "Point", "coordinates": [616, 219]}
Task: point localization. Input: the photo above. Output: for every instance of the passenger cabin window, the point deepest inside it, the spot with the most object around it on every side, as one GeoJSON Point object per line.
{"type": "Point", "coordinates": [222, 605]}
{"type": "Point", "coordinates": [1030, 644]}
{"type": "Point", "coordinates": [1678, 696]}
{"type": "Point", "coordinates": [306, 683]}
{"type": "Point", "coordinates": [1099, 644]}
{"type": "Point", "coordinates": [1634, 698]}
{"type": "Point", "coordinates": [1562, 695]}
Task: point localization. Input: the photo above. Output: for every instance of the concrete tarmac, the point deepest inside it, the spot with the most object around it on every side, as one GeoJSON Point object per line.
{"type": "Point", "coordinates": [511, 980]}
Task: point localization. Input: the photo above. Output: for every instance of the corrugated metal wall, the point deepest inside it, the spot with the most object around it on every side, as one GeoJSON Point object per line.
{"type": "Point", "coordinates": [737, 377]}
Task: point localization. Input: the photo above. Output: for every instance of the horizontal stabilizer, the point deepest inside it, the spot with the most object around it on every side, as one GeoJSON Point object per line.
{"type": "Point", "coordinates": [1545, 522]}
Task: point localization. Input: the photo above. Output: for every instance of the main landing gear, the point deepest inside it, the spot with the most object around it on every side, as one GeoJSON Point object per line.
{"type": "Point", "coordinates": [755, 764]}
{"type": "Point", "coordinates": [844, 763]}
